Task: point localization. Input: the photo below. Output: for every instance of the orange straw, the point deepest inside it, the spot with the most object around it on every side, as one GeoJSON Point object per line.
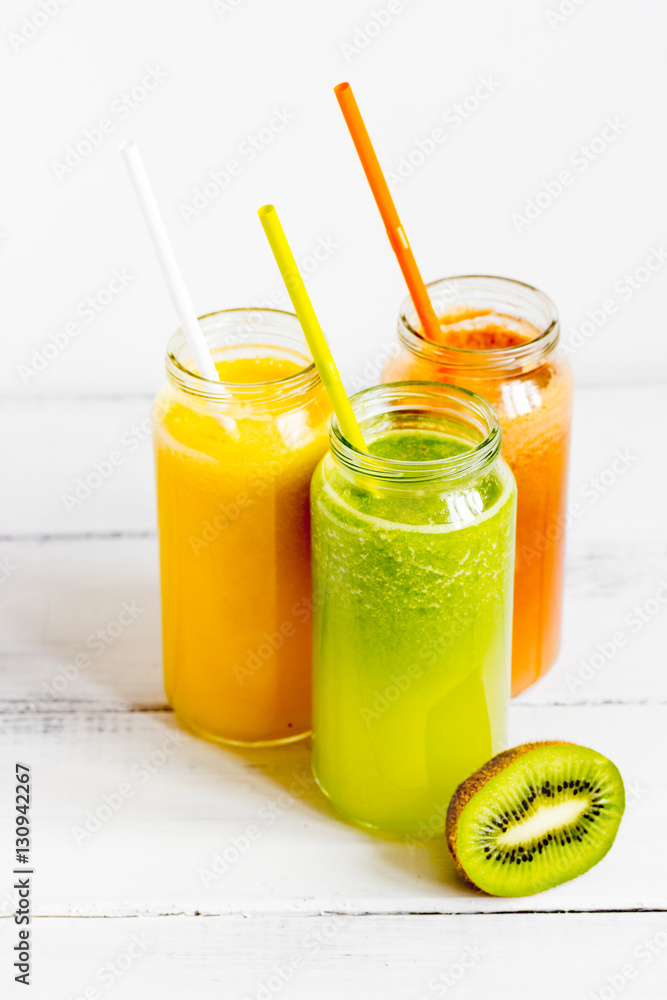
{"type": "Point", "coordinates": [385, 203]}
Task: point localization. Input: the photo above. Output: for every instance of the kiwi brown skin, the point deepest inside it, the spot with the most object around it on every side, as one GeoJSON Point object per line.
{"type": "Point", "coordinates": [468, 788]}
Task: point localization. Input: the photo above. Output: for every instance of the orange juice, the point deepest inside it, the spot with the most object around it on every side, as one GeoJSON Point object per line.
{"type": "Point", "coordinates": [499, 339]}
{"type": "Point", "coordinates": [234, 462]}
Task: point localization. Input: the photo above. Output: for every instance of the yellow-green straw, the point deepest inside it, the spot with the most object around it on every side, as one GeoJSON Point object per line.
{"type": "Point", "coordinates": [314, 334]}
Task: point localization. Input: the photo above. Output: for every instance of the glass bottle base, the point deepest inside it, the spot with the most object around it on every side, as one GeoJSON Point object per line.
{"type": "Point", "coordinates": [249, 744]}
{"type": "Point", "coordinates": [410, 833]}
{"type": "Point", "coordinates": [524, 679]}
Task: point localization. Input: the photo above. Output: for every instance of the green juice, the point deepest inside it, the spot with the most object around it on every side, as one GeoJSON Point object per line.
{"type": "Point", "coordinates": [412, 630]}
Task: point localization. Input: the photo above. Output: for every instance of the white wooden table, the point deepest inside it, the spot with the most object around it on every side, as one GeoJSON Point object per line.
{"type": "Point", "coordinates": [313, 908]}
{"type": "Point", "coordinates": [166, 895]}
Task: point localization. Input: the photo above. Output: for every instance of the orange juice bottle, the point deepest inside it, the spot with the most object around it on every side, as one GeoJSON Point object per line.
{"type": "Point", "coordinates": [234, 461]}
{"type": "Point", "coordinates": [500, 339]}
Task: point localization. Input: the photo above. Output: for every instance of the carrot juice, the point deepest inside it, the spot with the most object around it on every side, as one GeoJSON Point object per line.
{"type": "Point", "coordinates": [500, 339]}
{"type": "Point", "coordinates": [234, 461]}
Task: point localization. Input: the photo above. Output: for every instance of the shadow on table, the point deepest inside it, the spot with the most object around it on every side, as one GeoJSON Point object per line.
{"type": "Point", "coordinates": [288, 769]}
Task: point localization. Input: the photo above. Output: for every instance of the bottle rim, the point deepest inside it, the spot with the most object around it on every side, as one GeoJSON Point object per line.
{"type": "Point", "coordinates": [241, 328]}
{"type": "Point", "coordinates": [429, 398]}
{"type": "Point", "coordinates": [519, 299]}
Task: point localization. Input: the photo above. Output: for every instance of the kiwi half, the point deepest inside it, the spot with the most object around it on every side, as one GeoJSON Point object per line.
{"type": "Point", "coordinates": [534, 816]}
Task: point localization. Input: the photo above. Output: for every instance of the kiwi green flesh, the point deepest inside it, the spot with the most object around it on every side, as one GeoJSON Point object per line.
{"type": "Point", "coordinates": [547, 817]}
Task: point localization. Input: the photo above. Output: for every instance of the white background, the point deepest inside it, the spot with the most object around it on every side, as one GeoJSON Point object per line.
{"type": "Point", "coordinates": [359, 915]}
{"type": "Point", "coordinates": [225, 73]}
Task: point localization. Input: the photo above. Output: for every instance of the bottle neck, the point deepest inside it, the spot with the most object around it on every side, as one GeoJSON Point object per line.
{"type": "Point", "coordinates": [237, 334]}
{"type": "Point", "coordinates": [407, 407]}
{"type": "Point", "coordinates": [497, 304]}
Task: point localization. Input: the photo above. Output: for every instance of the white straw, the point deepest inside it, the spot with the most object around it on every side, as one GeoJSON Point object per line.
{"type": "Point", "coordinates": [165, 255]}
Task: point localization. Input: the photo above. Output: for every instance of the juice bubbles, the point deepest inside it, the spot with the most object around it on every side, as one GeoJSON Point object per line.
{"type": "Point", "coordinates": [413, 554]}
{"type": "Point", "coordinates": [234, 461]}
{"type": "Point", "coordinates": [499, 339]}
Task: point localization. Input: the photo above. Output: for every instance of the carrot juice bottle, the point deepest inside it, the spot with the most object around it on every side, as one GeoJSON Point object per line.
{"type": "Point", "coordinates": [500, 339]}
{"type": "Point", "coordinates": [234, 461]}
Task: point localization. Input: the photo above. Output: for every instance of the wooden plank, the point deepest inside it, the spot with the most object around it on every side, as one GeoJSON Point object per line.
{"type": "Point", "coordinates": [136, 812]}
{"type": "Point", "coordinates": [617, 434]}
{"type": "Point", "coordinates": [60, 593]}
{"type": "Point", "coordinates": [509, 957]}
{"type": "Point", "coordinates": [63, 600]}
{"type": "Point", "coordinates": [617, 560]}
{"type": "Point", "coordinates": [614, 615]}
{"type": "Point", "coordinates": [70, 440]}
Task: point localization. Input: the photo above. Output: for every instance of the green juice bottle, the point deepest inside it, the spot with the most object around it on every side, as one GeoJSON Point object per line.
{"type": "Point", "coordinates": [412, 575]}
